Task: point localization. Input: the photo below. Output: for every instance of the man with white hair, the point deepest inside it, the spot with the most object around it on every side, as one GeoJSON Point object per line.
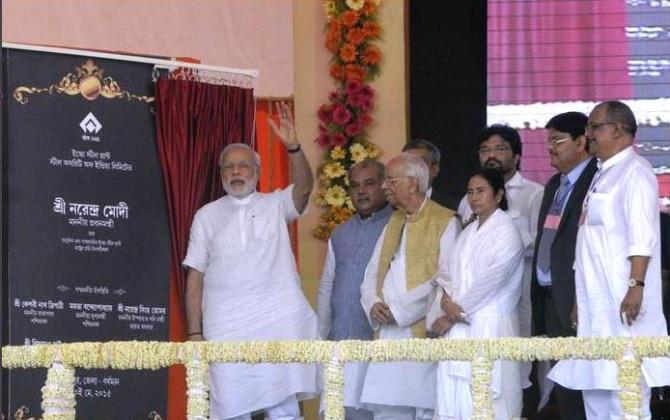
{"type": "Point", "coordinates": [242, 282]}
{"type": "Point", "coordinates": [397, 286]}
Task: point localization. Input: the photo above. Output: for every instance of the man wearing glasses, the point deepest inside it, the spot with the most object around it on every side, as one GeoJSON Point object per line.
{"type": "Point", "coordinates": [500, 148]}
{"type": "Point", "coordinates": [553, 285]}
{"type": "Point", "coordinates": [397, 286]}
{"type": "Point", "coordinates": [617, 263]}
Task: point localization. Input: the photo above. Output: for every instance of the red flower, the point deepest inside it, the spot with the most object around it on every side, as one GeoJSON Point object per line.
{"type": "Point", "coordinates": [349, 18]}
{"type": "Point", "coordinates": [355, 73]}
{"type": "Point", "coordinates": [334, 96]}
{"type": "Point", "coordinates": [338, 139]}
{"type": "Point", "coordinates": [364, 118]}
{"type": "Point", "coordinates": [367, 91]}
{"type": "Point", "coordinates": [336, 71]}
{"type": "Point", "coordinates": [371, 55]}
{"type": "Point", "coordinates": [353, 129]}
{"type": "Point", "coordinates": [348, 53]}
{"type": "Point", "coordinates": [356, 35]}
{"type": "Point", "coordinates": [341, 115]}
{"type": "Point", "coordinates": [353, 87]}
{"type": "Point", "coordinates": [322, 140]}
{"type": "Point", "coordinates": [324, 114]}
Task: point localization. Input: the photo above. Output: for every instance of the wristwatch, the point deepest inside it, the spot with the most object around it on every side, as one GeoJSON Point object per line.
{"type": "Point", "coordinates": [635, 282]}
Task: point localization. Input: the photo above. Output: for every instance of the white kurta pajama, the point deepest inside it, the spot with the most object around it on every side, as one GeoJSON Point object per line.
{"type": "Point", "coordinates": [483, 275]}
{"type": "Point", "coordinates": [399, 385]}
{"type": "Point", "coordinates": [621, 220]}
{"type": "Point", "coordinates": [251, 292]}
{"type": "Point", "coordinates": [525, 199]}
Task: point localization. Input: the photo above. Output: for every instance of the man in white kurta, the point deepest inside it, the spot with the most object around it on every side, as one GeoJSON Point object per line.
{"type": "Point", "coordinates": [617, 263]}
{"type": "Point", "coordinates": [243, 285]}
{"type": "Point", "coordinates": [482, 274]}
{"type": "Point", "coordinates": [403, 390]}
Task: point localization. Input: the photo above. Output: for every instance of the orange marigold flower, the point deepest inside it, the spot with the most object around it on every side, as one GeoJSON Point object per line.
{"type": "Point", "coordinates": [348, 53]}
{"type": "Point", "coordinates": [355, 73]}
{"type": "Point", "coordinates": [371, 55]}
{"type": "Point", "coordinates": [371, 29]}
{"type": "Point", "coordinates": [369, 8]}
{"type": "Point", "coordinates": [349, 18]}
{"type": "Point", "coordinates": [356, 35]}
{"type": "Point", "coordinates": [336, 71]}
{"type": "Point", "coordinates": [334, 26]}
{"type": "Point", "coordinates": [333, 44]}
{"type": "Point", "coordinates": [334, 35]}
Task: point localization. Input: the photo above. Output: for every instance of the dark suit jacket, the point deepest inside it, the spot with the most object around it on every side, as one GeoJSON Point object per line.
{"type": "Point", "coordinates": [562, 254]}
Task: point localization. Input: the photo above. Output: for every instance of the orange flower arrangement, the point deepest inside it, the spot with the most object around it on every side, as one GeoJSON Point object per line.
{"type": "Point", "coordinates": [348, 53]}
{"type": "Point", "coordinates": [343, 121]}
{"type": "Point", "coordinates": [371, 55]}
{"type": "Point", "coordinates": [349, 18]}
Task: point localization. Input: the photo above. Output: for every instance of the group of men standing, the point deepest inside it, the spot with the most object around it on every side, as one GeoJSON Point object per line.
{"type": "Point", "coordinates": [591, 267]}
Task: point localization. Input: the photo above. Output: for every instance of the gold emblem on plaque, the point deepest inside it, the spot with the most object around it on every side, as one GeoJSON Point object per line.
{"type": "Point", "coordinates": [88, 81]}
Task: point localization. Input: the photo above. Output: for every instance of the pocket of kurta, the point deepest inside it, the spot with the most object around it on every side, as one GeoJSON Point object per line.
{"type": "Point", "coordinates": [264, 227]}
{"type": "Point", "coordinates": [598, 207]}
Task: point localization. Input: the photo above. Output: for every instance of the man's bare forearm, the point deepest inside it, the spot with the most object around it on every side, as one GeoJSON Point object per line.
{"type": "Point", "coordinates": [302, 179]}
{"type": "Point", "coordinates": [193, 303]}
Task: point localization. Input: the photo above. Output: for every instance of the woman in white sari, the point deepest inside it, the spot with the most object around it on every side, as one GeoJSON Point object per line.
{"type": "Point", "coordinates": [479, 298]}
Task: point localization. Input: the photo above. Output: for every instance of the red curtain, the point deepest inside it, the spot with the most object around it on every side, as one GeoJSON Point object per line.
{"type": "Point", "coordinates": [194, 122]}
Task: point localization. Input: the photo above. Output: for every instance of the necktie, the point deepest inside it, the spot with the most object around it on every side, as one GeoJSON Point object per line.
{"type": "Point", "coordinates": [561, 195]}
{"type": "Point", "coordinates": [544, 250]}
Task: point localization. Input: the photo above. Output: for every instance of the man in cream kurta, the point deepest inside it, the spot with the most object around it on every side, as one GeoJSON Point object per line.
{"type": "Point", "coordinates": [242, 283]}
{"type": "Point", "coordinates": [397, 286]}
{"type": "Point", "coordinates": [617, 263]}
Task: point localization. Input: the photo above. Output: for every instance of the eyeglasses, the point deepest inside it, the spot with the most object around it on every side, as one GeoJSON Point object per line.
{"type": "Point", "coordinates": [555, 142]}
{"type": "Point", "coordinates": [496, 149]}
{"type": "Point", "coordinates": [595, 126]}
{"type": "Point", "coordinates": [393, 180]}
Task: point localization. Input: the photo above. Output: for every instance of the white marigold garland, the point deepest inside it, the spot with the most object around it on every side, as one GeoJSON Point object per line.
{"type": "Point", "coordinates": [334, 382]}
{"type": "Point", "coordinates": [630, 378]}
{"type": "Point", "coordinates": [482, 403]}
{"type": "Point", "coordinates": [155, 355]}
{"type": "Point", "coordinates": [197, 382]}
{"type": "Point", "coordinates": [58, 401]}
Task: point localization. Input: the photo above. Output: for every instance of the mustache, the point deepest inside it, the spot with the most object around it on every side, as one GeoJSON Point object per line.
{"type": "Point", "coordinates": [492, 159]}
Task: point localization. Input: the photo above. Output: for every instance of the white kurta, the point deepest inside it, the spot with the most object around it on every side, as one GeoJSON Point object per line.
{"type": "Point", "coordinates": [251, 292]}
{"type": "Point", "coordinates": [622, 220]}
{"type": "Point", "coordinates": [407, 384]}
{"type": "Point", "coordinates": [524, 198]}
{"type": "Point", "coordinates": [483, 275]}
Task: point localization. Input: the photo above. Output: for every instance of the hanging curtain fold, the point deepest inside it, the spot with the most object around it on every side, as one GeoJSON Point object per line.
{"type": "Point", "coordinates": [194, 121]}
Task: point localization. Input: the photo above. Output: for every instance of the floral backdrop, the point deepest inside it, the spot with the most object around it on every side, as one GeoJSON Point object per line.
{"type": "Point", "coordinates": [351, 31]}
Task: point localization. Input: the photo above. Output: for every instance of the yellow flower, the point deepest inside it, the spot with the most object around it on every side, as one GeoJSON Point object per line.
{"type": "Point", "coordinates": [358, 152]}
{"type": "Point", "coordinates": [337, 153]}
{"type": "Point", "coordinates": [336, 196]}
{"type": "Point", "coordinates": [355, 4]}
{"type": "Point", "coordinates": [334, 170]}
{"type": "Point", "coordinates": [319, 200]}
{"type": "Point", "coordinates": [329, 8]}
{"type": "Point", "coordinates": [373, 151]}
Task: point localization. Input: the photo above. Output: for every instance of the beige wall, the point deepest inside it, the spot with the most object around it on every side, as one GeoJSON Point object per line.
{"type": "Point", "coordinates": [249, 34]}
{"type": "Point", "coordinates": [312, 85]}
